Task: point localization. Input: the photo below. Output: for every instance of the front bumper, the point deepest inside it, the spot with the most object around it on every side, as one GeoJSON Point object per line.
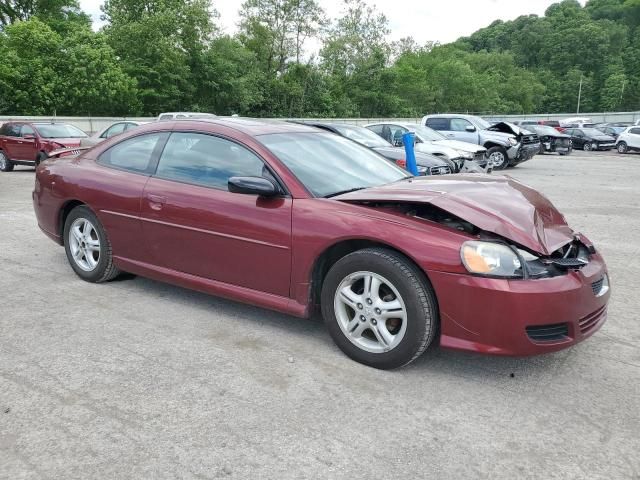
{"type": "Point", "coordinates": [491, 316]}
{"type": "Point", "coordinates": [521, 153]}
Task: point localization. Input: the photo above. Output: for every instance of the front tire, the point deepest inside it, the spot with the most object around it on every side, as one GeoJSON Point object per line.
{"type": "Point", "coordinates": [498, 157]}
{"type": "Point", "coordinates": [622, 147]}
{"type": "Point", "coordinates": [379, 308]}
{"type": "Point", "coordinates": [6, 165]}
{"type": "Point", "coordinates": [587, 147]}
{"type": "Point", "coordinates": [88, 247]}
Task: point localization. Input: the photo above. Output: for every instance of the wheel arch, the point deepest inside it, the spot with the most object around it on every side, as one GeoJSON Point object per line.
{"type": "Point", "coordinates": [64, 212]}
{"type": "Point", "coordinates": [490, 144]}
{"type": "Point", "coordinates": [341, 249]}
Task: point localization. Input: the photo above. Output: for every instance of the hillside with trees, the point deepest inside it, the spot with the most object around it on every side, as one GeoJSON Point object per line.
{"type": "Point", "coordinates": [166, 55]}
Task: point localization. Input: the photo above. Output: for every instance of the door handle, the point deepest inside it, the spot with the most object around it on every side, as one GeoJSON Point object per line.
{"type": "Point", "coordinates": [156, 202]}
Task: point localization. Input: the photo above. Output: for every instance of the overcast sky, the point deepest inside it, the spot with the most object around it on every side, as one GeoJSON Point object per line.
{"type": "Point", "coordinates": [424, 20]}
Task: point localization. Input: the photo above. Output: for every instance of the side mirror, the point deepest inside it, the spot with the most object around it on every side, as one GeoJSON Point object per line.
{"type": "Point", "coordinates": [470, 128]}
{"type": "Point", "coordinates": [253, 186]}
{"type": "Point", "coordinates": [29, 136]}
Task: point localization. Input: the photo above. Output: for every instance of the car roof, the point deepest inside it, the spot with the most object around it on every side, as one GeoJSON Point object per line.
{"type": "Point", "coordinates": [449, 115]}
{"type": "Point", "coordinates": [252, 126]}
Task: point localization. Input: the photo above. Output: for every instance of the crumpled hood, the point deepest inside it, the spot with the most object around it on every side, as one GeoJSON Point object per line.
{"type": "Point", "coordinates": [64, 142]}
{"type": "Point", "coordinates": [464, 146]}
{"type": "Point", "coordinates": [493, 203]}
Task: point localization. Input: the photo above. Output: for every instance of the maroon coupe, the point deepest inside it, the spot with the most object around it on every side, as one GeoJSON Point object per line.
{"type": "Point", "coordinates": [291, 218]}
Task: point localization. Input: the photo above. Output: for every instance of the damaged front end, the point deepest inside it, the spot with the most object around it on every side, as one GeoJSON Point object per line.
{"type": "Point", "coordinates": [494, 256]}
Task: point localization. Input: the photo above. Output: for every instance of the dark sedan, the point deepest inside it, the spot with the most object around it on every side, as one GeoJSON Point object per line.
{"type": "Point", "coordinates": [590, 139]}
{"type": "Point", "coordinates": [551, 140]}
{"type": "Point", "coordinates": [427, 164]}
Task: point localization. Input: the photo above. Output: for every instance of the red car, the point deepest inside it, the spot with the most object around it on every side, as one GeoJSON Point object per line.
{"type": "Point", "coordinates": [23, 143]}
{"type": "Point", "coordinates": [291, 218]}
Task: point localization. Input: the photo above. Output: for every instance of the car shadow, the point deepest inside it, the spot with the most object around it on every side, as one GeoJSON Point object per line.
{"type": "Point", "coordinates": [475, 367]}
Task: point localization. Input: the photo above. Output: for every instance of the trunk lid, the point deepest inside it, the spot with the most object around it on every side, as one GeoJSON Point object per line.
{"type": "Point", "coordinates": [497, 204]}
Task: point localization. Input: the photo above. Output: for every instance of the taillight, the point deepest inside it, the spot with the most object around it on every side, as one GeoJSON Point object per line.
{"type": "Point", "coordinates": [401, 162]}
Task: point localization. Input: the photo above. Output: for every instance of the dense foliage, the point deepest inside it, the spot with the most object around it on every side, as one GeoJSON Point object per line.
{"type": "Point", "coordinates": [164, 55]}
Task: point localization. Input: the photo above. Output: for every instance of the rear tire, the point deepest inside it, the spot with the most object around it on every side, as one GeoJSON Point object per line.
{"type": "Point", "coordinates": [6, 165]}
{"type": "Point", "coordinates": [622, 147]}
{"type": "Point", "coordinates": [385, 323]}
{"type": "Point", "coordinates": [88, 247]}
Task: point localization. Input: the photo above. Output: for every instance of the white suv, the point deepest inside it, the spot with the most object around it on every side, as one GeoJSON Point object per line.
{"type": "Point", "coordinates": [629, 140]}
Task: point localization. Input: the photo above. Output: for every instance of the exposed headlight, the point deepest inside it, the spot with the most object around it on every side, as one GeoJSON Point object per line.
{"type": "Point", "coordinates": [423, 170]}
{"type": "Point", "coordinates": [512, 141]}
{"type": "Point", "coordinates": [491, 259]}
{"type": "Point", "coordinates": [464, 154]}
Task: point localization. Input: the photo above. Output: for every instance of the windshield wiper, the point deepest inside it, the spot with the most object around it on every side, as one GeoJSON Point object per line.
{"type": "Point", "coordinates": [341, 192]}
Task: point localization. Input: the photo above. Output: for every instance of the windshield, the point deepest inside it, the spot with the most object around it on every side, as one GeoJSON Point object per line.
{"type": "Point", "coordinates": [60, 131]}
{"type": "Point", "coordinates": [362, 136]}
{"type": "Point", "coordinates": [425, 133]}
{"type": "Point", "coordinates": [542, 130]}
{"type": "Point", "coordinates": [480, 122]}
{"type": "Point", "coordinates": [592, 132]}
{"type": "Point", "coordinates": [328, 164]}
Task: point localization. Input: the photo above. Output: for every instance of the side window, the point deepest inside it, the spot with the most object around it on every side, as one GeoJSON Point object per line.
{"type": "Point", "coordinates": [13, 130]}
{"type": "Point", "coordinates": [27, 130]}
{"type": "Point", "coordinates": [438, 123]}
{"type": "Point", "coordinates": [114, 130]}
{"type": "Point", "coordinates": [635, 131]}
{"type": "Point", "coordinates": [207, 160]}
{"type": "Point", "coordinates": [377, 129]}
{"type": "Point", "coordinates": [134, 154]}
{"type": "Point", "coordinates": [129, 126]}
{"type": "Point", "coordinates": [460, 124]}
{"type": "Point", "coordinates": [166, 117]}
{"type": "Point", "coordinates": [396, 135]}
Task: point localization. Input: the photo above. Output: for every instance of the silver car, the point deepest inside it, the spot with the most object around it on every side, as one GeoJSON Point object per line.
{"type": "Point", "coordinates": [431, 142]}
{"type": "Point", "coordinates": [111, 131]}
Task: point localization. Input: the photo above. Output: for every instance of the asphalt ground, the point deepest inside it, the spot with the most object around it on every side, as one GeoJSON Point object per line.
{"type": "Point", "coordinates": [138, 379]}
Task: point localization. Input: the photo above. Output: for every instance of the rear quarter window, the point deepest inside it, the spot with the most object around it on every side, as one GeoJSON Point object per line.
{"type": "Point", "coordinates": [438, 123]}
{"type": "Point", "coordinates": [134, 154]}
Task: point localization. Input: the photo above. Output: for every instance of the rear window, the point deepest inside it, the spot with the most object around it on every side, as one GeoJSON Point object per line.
{"type": "Point", "coordinates": [438, 123]}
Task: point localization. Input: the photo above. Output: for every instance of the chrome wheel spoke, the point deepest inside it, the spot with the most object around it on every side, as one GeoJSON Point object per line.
{"type": "Point", "coordinates": [363, 318]}
{"type": "Point", "coordinates": [84, 244]}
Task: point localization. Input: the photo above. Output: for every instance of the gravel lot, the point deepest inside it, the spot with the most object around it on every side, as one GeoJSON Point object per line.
{"type": "Point", "coordinates": [137, 379]}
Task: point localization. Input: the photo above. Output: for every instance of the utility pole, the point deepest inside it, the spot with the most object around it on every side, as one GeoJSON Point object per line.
{"type": "Point", "coordinates": [579, 94]}
{"type": "Point", "coordinates": [621, 92]}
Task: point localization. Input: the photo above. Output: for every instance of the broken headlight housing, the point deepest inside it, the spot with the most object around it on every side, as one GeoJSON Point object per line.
{"type": "Point", "coordinates": [500, 260]}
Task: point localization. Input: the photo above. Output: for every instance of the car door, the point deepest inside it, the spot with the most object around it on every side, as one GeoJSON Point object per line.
{"type": "Point", "coordinates": [463, 130]}
{"type": "Point", "coordinates": [12, 141]}
{"type": "Point", "coordinates": [634, 137]}
{"type": "Point", "coordinates": [578, 138]}
{"type": "Point", "coordinates": [193, 224]}
{"type": "Point", "coordinates": [27, 145]}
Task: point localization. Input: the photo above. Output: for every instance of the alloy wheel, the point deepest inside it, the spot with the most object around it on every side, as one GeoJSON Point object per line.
{"type": "Point", "coordinates": [84, 244]}
{"type": "Point", "coordinates": [370, 312]}
{"type": "Point", "coordinates": [622, 147]}
{"type": "Point", "coordinates": [3, 161]}
{"type": "Point", "coordinates": [497, 159]}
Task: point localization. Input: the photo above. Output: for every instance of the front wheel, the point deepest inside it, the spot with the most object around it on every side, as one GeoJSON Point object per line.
{"type": "Point", "coordinates": [87, 246]}
{"type": "Point", "coordinates": [587, 147]}
{"type": "Point", "coordinates": [379, 308]}
{"type": "Point", "coordinates": [6, 165]}
{"type": "Point", "coordinates": [622, 147]}
{"type": "Point", "coordinates": [498, 158]}
{"type": "Point", "coordinates": [41, 158]}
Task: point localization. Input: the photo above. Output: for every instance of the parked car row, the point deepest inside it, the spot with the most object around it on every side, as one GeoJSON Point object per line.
{"type": "Point", "coordinates": [299, 220]}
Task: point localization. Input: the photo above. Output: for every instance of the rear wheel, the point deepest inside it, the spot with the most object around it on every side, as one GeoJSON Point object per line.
{"type": "Point", "coordinates": [6, 165]}
{"type": "Point", "coordinates": [622, 147]}
{"type": "Point", "coordinates": [498, 157]}
{"type": "Point", "coordinates": [379, 308]}
{"type": "Point", "coordinates": [87, 246]}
